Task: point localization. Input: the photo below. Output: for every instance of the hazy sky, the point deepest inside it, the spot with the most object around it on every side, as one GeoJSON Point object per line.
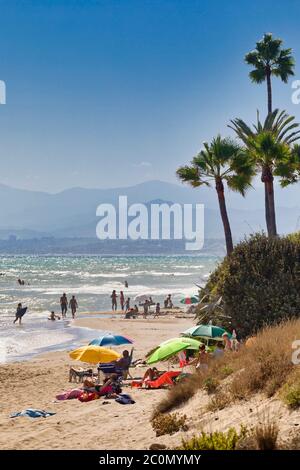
{"type": "Point", "coordinates": [109, 93]}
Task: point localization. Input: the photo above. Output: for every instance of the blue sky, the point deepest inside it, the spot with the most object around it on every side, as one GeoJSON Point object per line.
{"type": "Point", "coordinates": [112, 93]}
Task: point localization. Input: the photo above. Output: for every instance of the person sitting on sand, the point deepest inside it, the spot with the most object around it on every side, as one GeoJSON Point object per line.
{"type": "Point", "coordinates": [73, 305]}
{"type": "Point", "coordinates": [53, 317]}
{"type": "Point", "coordinates": [136, 309]}
{"type": "Point", "coordinates": [111, 386]}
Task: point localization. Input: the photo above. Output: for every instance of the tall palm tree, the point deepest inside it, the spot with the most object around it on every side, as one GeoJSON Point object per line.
{"type": "Point", "coordinates": [269, 59]}
{"type": "Point", "coordinates": [223, 160]}
{"type": "Point", "coordinates": [269, 145]}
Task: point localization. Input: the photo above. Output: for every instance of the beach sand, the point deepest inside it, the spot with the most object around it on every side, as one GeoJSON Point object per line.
{"type": "Point", "coordinates": [94, 425]}
{"type": "Point", "coordinates": [76, 425]}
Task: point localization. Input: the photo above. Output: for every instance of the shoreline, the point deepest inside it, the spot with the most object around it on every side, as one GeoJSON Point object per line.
{"type": "Point", "coordinates": [79, 332]}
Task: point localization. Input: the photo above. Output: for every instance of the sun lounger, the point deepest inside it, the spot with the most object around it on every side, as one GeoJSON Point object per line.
{"type": "Point", "coordinates": [78, 375]}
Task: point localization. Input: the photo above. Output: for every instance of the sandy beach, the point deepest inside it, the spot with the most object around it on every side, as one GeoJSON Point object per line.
{"type": "Point", "coordinates": [76, 425]}
{"type": "Point", "coordinates": [95, 425]}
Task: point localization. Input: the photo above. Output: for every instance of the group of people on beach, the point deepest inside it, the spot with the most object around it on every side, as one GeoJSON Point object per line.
{"type": "Point", "coordinates": [132, 312]}
{"type": "Point", "coordinates": [64, 304]}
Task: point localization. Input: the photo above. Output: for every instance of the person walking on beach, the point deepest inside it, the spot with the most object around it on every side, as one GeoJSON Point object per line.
{"type": "Point", "coordinates": [19, 313]}
{"type": "Point", "coordinates": [122, 300]}
{"type": "Point", "coordinates": [113, 300]}
{"type": "Point", "coordinates": [73, 306]}
{"type": "Point", "coordinates": [127, 304]}
{"type": "Point", "coordinates": [157, 310]}
{"type": "Point", "coordinates": [64, 305]}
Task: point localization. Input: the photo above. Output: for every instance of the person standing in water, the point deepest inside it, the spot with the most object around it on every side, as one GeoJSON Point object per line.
{"type": "Point", "coordinates": [64, 305]}
{"type": "Point", "coordinates": [19, 313]}
{"type": "Point", "coordinates": [122, 300]}
{"type": "Point", "coordinates": [73, 305]}
{"type": "Point", "coordinates": [113, 300]}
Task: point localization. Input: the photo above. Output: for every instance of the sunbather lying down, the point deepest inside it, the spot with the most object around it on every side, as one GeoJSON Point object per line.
{"type": "Point", "coordinates": [91, 391]}
{"type": "Point", "coordinates": [152, 374]}
{"type": "Point", "coordinates": [154, 378]}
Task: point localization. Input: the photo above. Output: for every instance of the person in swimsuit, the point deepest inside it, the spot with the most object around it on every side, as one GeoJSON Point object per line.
{"type": "Point", "coordinates": [73, 305]}
{"type": "Point", "coordinates": [18, 314]}
{"type": "Point", "coordinates": [113, 300]}
{"type": "Point", "coordinates": [64, 305]}
{"type": "Point", "coordinates": [122, 300]}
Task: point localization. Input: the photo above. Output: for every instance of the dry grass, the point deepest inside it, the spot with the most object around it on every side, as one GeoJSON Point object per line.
{"type": "Point", "coordinates": [264, 367]}
{"type": "Point", "coordinates": [266, 435]}
{"type": "Point", "coordinates": [219, 401]}
{"type": "Point", "coordinates": [169, 424]}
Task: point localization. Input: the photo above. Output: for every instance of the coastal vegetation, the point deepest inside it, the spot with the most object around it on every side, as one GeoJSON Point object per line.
{"type": "Point", "coordinates": [259, 284]}
{"type": "Point", "coordinates": [263, 366]}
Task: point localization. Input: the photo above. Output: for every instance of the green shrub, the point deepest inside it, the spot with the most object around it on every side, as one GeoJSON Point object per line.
{"type": "Point", "coordinates": [169, 424]}
{"type": "Point", "coordinates": [214, 441]}
{"type": "Point", "coordinates": [259, 283]}
{"type": "Point", "coordinates": [291, 395]}
{"type": "Point", "coordinates": [225, 371]}
{"type": "Point", "coordinates": [210, 384]}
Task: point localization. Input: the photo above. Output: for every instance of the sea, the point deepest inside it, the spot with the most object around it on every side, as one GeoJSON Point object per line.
{"type": "Point", "coordinates": [91, 279]}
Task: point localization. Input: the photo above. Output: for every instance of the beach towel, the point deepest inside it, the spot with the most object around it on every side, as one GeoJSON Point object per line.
{"type": "Point", "coordinates": [32, 413]}
{"type": "Point", "coordinates": [165, 379]}
{"type": "Point", "coordinates": [70, 394]}
{"type": "Point", "coordinates": [88, 396]}
{"type": "Point", "coordinates": [125, 399]}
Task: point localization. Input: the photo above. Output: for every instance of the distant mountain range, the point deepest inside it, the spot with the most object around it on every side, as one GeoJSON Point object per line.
{"type": "Point", "coordinates": [72, 213]}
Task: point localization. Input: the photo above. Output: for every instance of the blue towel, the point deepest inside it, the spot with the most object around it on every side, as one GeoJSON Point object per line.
{"type": "Point", "coordinates": [125, 399]}
{"type": "Point", "coordinates": [32, 413]}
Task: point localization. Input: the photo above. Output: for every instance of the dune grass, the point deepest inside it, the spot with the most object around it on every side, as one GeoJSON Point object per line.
{"type": "Point", "coordinates": [264, 367]}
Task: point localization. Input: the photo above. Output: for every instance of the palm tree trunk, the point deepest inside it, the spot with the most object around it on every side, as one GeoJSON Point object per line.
{"type": "Point", "coordinates": [272, 215]}
{"type": "Point", "coordinates": [269, 87]}
{"type": "Point", "coordinates": [268, 178]}
{"type": "Point", "coordinates": [267, 210]}
{"type": "Point", "coordinates": [224, 216]}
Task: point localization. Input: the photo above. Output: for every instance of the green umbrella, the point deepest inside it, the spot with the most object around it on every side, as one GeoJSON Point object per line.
{"type": "Point", "coordinates": [166, 351]}
{"type": "Point", "coordinates": [206, 331]}
{"type": "Point", "coordinates": [194, 299]}
{"type": "Point", "coordinates": [191, 342]}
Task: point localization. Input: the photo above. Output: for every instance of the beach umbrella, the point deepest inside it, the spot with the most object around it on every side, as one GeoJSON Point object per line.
{"type": "Point", "coordinates": [189, 300]}
{"type": "Point", "coordinates": [192, 343]}
{"type": "Point", "coordinates": [206, 331]}
{"type": "Point", "coordinates": [110, 339]}
{"type": "Point", "coordinates": [141, 297]}
{"type": "Point", "coordinates": [94, 354]}
{"type": "Point", "coordinates": [166, 351]}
